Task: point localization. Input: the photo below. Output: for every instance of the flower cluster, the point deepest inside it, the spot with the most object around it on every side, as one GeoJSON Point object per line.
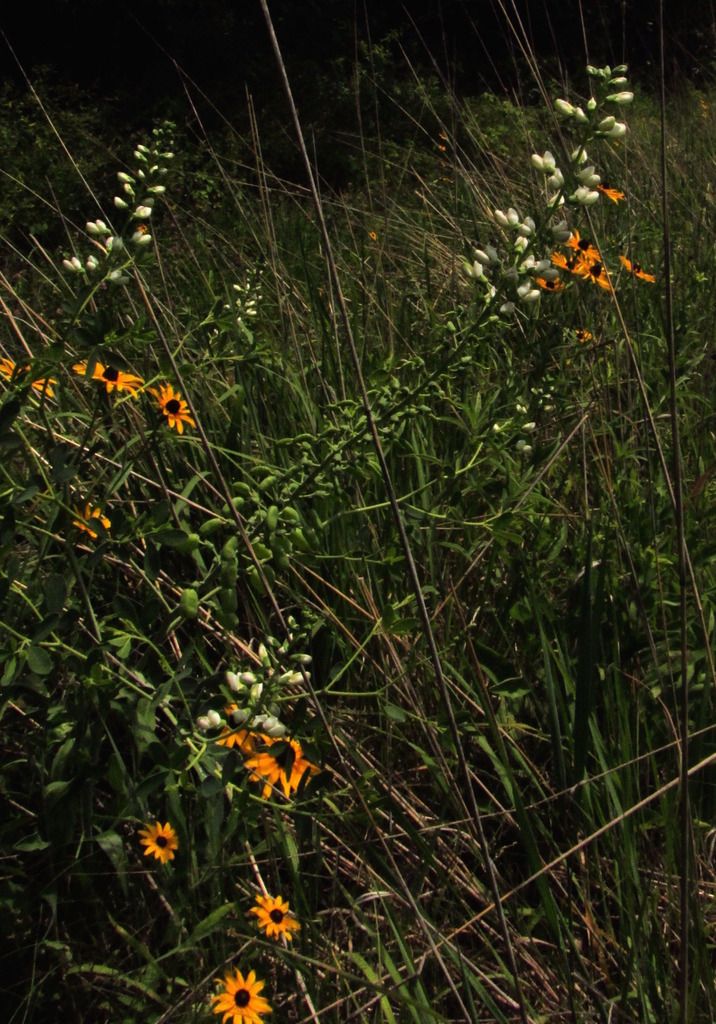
{"type": "Point", "coordinates": [115, 249]}
{"type": "Point", "coordinates": [524, 266]}
{"type": "Point", "coordinates": [247, 298]}
{"type": "Point", "coordinates": [170, 402]}
{"type": "Point", "coordinates": [11, 371]}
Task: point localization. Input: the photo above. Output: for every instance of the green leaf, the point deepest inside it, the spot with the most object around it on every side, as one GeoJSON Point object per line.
{"type": "Point", "coordinates": [39, 661]}
{"type": "Point", "coordinates": [210, 923]}
{"type": "Point", "coordinates": [55, 593]}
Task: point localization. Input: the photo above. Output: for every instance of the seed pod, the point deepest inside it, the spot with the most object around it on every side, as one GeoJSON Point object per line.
{"type": "Point", "coordinates": [210, 526]}
{"type": "Point", "coordinates": [272, 518]}
{"type": "Point", "coordinates": [189, 603]}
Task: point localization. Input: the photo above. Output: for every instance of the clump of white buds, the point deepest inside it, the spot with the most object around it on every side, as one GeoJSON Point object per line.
{"type": "Point", "coordinates": [545, 163]}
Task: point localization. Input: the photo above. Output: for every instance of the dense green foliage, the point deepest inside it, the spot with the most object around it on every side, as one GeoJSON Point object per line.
{"type": "Point", "coordinates": [143, 563]}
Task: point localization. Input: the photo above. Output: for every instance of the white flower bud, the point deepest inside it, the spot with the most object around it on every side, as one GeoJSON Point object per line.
{"type": "Point", "coordinates": [580, 116]}
{"type": "Point", "coordinates": [620, 98]}
{"type": "Point", "coordinates": [157, 190]}
{"type": "Point", "coordinates": [618, 131]}
{"type": "Point", "coordinates": [527, 293]}
{"type": "Point", "coordinates": [120, 203]}
{"type": "Point", "coordinates": [141, 238]}
{"type": "Point", "coordinates": [142, 212]}
{"type": "Point", "coordinates": [255, 692]}
{"type": "Point", "coordinates": [561, 232]}
{"type": "Point", "coordinates": [521, 243]}
{"type": "Point", "coordinates": [591, 104]}
{"type": "Point", "coordinates": [93, 228]}
{"type": "Point", "coordinates": [214, 719]}
{"type": "Point", "coordinates": [475, 270]}
{"type": "Point", "coordinates": [621, 69]}
{"type": "Point", "coordinates": [545, 163]}
{"type": "Point", "coordinates": [117, 277]}
{"type": "Point", "coordinates": [143, 149]}
{"type": "Point", "coordinates": [303, 659]}
{"type": "Point", "coordinates": [529, 427]}
{"type": "Point", "coordinates": [126, 178]}
{"type": "Point", "coordinates": [585, 196]}
{"type": "Point", "coordinates": [481, 256]}
{"type": "Point", "coordinates": [526, 228]}
{"type": "Point", "coordinates": [588, 177]}
{"type": "Point", "coordinates": [202, 723]}
{"type": "Point", "coordinates": [606, 124]}
{"type": "Point", "coordinates": [239, 716]}
{"type": "Point", "coordinates": [513, 217]}
{"type": "Point", "coordinates": [232, 681]}
{"type": "Point", "coordinates": [92, 263]}
{"type": "Point", "coordinates": [500, 218]}
{"type": "Point", "coordinates": [248, 678]}
{"type": "Point", "coordinates": [564, 108]}
{"type": "Point", "coordinates": [556, 180]}
{"type": "Point", "coordinates": [263, 655]}
{"type": "Point", "coordinates": [128, 190]}
{"type": "Point", "coordinates": [523, 447]}
{"type": "Point", "coordinates": [579, 155]}
{"type": "Point", "coordinates": [618, 82]}
{"type": "Point", "coordinates": [507, 308]}
{"type": "Point", "coordinates": [73, 265]}
{"type": "Point", "coordinates": [273, 728]}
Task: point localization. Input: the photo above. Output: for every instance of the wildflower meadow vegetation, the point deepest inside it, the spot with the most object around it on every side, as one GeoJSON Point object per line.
{"type": "Point", "coordinates": [358, 595]}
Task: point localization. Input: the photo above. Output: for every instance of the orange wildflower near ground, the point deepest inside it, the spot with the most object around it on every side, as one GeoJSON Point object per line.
{"type": "Point", "coordinates": [615, 194]}
{"type": "Point", "coordinates": [9, 369]}
{"type": "Point", "coordinates": [173, 406]}
{"type": "Point", "coordinates": [89, 517]}
{"type": "Point", "coordinates": [550, 286]}
{"type": "Point", "coordinates": [635, 268]}
{"type": "Point", "coordinates": [284, 769]}
{"type": "Point", "coordinates": [113, 380]}
{"type": "Point", "coordinates": [274, 917]}
{"type": "Point", "coordinates": [160, 841]}
{"type": "Point", "coordinates": [240, 1002]}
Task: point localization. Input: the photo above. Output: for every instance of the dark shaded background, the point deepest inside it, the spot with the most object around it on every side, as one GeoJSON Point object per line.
{"type": "Point", "coordinates": [127, 48]}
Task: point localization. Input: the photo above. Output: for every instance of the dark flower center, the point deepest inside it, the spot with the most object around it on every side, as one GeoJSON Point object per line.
{"type": "Point", "coordinates": [276, 916]}
{"type": "Point", "coordinates": [596, 269]}
{"type": "Point", "coordinates": [242, 998]}
{"type": "Point", "coordinates": [583, 244]}
{"type": "Point", "coordinates": [161, 841]}
{"type": "Point", "coordinates": [111, 374]}
{"type": "Point", "coordinates": [173, 406]}
{"type": "Point", "coordinates": [636, 267]}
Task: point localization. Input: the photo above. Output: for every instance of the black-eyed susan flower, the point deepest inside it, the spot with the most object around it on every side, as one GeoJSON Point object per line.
{"type": "Point", "coordinates": [594, 271]}
{"type": "Point", "coordinates": [559, 259]}
{"type": "Point", "coordinates": [243, 739]}
{"type": "Point", "coordinates": [274, 917]}
{"type": "Point", "coordinates": [635, 268]}
{"type": "Point", "coordinates": [9, 369]}
{"type": "Point", "coordinates": [160, 841]}
{"type": "Point", "coordinates": [373, 235]}
{"type": "Point", "coordinates": [173, 406]}
{"type": "Point", "coordinates": [583, 335]}
{"type": "Point", "coordinates": [240, 1002]}
{"type": "Point", "coordinates": [286, 767]}
{"type": "Point", "coordinates": [89, 517]}
{"type": "Point", "coordinates": [550, 286]}
{"type": "Point", "coordinates": [615, 194]}
{"type": "Point", "coordinates": [113, 379]}
{"type": "Point", "coordinates": [583, 246]}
